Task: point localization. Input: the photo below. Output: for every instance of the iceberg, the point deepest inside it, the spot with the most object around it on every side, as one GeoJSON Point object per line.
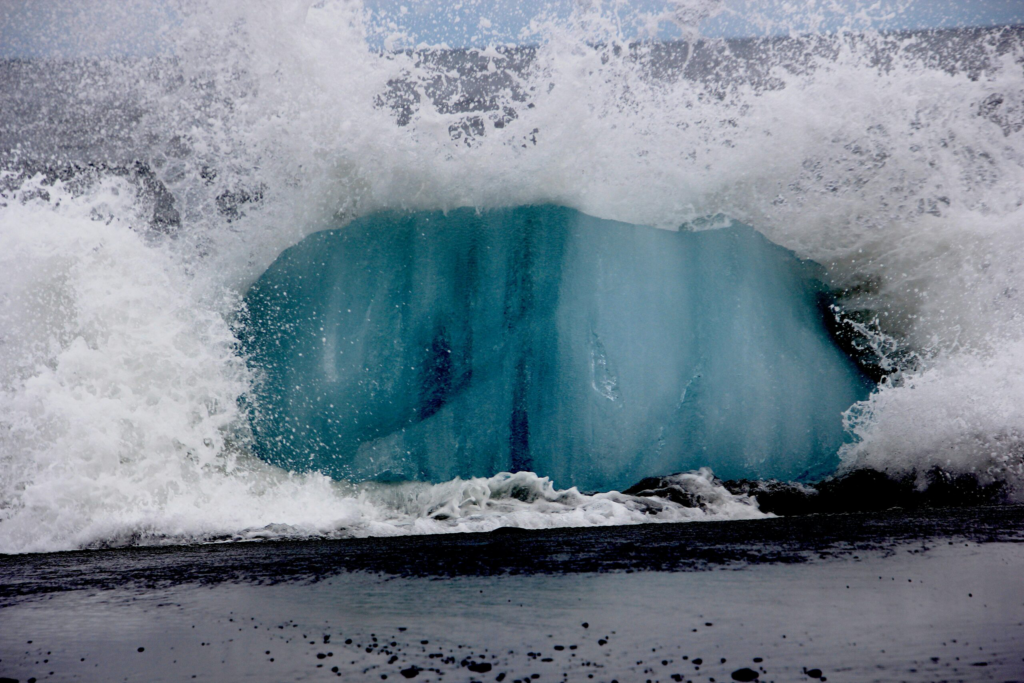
{"type": "Point", "coordinates": [428, 346]}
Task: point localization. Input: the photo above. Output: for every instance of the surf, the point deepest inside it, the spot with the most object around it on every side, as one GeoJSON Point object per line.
{"type": "Point", "coordinates": [877, 173]}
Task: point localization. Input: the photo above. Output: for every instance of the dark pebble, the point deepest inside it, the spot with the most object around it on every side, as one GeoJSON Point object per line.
{"type": "Point", "coordinates": [412, 672]}
{"type": "Point", "coordinates": [745, 674]}
{"type": "Point", "coordinates": [814, 673]}
{"type": "Point", "coordinates": [698, 661]}
{"type": "Point", "coordinates": [142, 649]}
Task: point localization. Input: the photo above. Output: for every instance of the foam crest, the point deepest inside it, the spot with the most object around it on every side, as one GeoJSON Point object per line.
{"type": "Point", "coordinates": [895, 162]}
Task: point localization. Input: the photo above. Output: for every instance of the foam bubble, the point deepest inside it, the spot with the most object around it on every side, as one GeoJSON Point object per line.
{"type": "Point", "coordinates": [895, 162]}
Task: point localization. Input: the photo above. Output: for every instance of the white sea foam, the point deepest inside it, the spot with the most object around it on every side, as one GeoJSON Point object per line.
{"type": "Point", "coordinates": [119, 373]}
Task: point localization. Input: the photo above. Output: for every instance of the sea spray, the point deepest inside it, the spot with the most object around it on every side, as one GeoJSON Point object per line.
{"type": "Point", "coordinates": [894, 161]}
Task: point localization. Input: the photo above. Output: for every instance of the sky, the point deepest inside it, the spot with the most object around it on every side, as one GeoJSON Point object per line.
{"type": "Point", "coordinates": [479, 22]}
{"type": "Point", "coordinates": [71, 28]}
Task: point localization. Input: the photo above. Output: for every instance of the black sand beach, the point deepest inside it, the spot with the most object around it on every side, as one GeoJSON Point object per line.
{"type": "Point", "coordinates": [888, 596]}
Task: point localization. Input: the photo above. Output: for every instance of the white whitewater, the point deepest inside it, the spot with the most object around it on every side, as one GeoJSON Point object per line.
{"type": "Point", "coordinates": [119, 368]}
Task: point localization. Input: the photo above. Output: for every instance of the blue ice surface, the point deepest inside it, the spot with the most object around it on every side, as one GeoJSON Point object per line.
{"type": "Point", "coordinates": [427, 346]}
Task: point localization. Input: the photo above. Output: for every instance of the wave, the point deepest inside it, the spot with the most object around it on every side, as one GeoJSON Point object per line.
{"type": "Point", "coordinates": [132, 228]}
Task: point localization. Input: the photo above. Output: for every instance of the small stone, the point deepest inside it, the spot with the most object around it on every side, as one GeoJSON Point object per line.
{"type": "Point", "coordinates": [745, 675]}
{"type": "Point", "coordinates": [412, 672]}
{"type": "Point", "coordinates": [814, 673]}
{"type": "Point", "coordinates": [142, 649]}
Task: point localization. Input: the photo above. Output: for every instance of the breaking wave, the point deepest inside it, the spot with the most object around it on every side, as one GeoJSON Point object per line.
{"type": "Point", "coordinates": [143, 195]}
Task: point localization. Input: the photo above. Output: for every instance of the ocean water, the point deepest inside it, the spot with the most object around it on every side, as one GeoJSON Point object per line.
{"type": "Point", "coordinates": [838, 273]}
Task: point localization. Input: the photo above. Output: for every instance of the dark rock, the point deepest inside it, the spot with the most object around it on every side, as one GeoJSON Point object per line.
{"type": "Point", "coordinates": [666, 488]}
{"type": "Point", "coordinates": [813, 673]}
{"type": "Point", "coordinates": [745, 674]}
{"type": "Point", "coordinates": [479, 667]}
{"type": "Point", "coordinates": [777, 497]}
{"type": "Point", "coordinates": [412, 672]}
{"type": "Point", "coordinates": [862, 490]}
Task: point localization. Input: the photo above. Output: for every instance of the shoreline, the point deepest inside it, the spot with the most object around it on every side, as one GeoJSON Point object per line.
{"type": "Point", "coordinates": [860, 597]}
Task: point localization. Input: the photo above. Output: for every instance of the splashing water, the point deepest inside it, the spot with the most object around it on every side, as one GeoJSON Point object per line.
{"type": "Point", "coordinates": [893, 160]}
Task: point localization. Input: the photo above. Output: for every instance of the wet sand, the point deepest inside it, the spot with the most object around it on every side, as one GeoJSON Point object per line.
{"type": "Point", "coordinates": [889, 596]}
